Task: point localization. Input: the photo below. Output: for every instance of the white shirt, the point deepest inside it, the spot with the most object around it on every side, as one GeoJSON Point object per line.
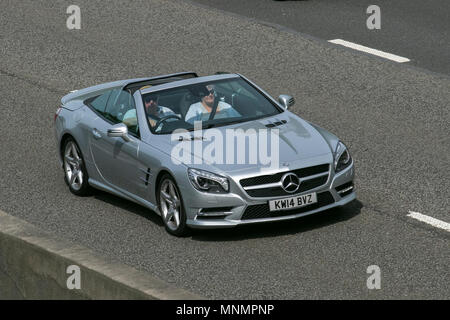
{"type": "Point", "coordinates": [197, 112]}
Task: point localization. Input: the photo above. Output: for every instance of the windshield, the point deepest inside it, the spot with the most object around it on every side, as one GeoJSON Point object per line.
{"type": "Point", "coordinates": [215, 103]}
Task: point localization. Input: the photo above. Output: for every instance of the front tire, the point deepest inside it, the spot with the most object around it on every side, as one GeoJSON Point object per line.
{"type": "Point", "coordinates": [75, 173]}
{"type": "Point", "coordinates": [171, 207]}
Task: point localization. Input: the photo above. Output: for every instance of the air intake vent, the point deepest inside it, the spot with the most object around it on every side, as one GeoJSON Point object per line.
{"type": "Point", "coordinates": [216, 210]}
{"type": "Point", "coordinates": [275, 124]}
{"type": "Point", "coordinates": [214, 213]}
{"type": "Point", "coordinates": [345, 189]}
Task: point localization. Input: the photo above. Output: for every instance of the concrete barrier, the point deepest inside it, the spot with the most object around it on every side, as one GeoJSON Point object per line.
{"type": "Point", "coordinates": [33, 266]}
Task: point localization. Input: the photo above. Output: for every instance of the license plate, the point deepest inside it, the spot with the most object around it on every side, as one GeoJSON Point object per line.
{"type": "Point", "coordinates": [292, 203]}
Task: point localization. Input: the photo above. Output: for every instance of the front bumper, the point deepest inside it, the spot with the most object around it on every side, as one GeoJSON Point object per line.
{"type": "Point", "coordinates": [230, 207]}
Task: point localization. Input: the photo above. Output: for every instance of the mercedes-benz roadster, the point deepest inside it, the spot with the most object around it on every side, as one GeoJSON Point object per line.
{"type": "Point", "coordinates": [202, 152]}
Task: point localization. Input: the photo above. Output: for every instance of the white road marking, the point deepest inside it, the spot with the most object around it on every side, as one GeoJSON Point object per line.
{"type": "Point", "coordinates": [375, 52]}
{"type": "Point", "coordinates": [430, 220]}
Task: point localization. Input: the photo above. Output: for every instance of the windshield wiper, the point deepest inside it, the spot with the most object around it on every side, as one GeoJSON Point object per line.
{"type": "Point", "coordinates": [225, 123]}
{"type": "Point", "coordinates": [239, 121]}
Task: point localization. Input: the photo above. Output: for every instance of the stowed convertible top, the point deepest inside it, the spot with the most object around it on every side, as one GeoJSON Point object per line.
{"type": "Point", "coordinates": [136, 85]}
{"type": "Point", "coordinates": [130, 84]}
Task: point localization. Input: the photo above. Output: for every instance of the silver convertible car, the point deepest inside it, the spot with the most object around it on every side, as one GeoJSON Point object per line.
{"type": "Point", "coordinates": [144, 140]}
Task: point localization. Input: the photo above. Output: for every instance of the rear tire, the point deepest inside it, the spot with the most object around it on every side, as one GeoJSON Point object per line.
{"type": "Point", "coordinates": [75, 173]}
{"type": "Point", "coordinates": [170, 204]}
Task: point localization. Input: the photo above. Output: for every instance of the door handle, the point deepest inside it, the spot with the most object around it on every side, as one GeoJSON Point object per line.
{"type": "Point", "coordinates": [96, 134]}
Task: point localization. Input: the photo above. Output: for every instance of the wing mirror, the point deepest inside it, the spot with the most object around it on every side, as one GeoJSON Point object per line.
{"type": "Point", "coordinates": [119, 130]}
{"type": "Point", "coordinates": [286, 101]}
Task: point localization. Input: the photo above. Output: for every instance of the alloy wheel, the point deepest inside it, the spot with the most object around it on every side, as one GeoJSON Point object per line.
{"type": "Point", "coordinates": [72, 166]}
{"type": "Point", "coordinates": [170, 204]}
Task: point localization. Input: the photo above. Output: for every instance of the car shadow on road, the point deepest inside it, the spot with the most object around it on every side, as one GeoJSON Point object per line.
{"type": "Point", "coordinates": [128, 206]}
{"type": "Point", "coordinates": [262, 230]}
{"type": "Point", "coordinates": [280, 228]}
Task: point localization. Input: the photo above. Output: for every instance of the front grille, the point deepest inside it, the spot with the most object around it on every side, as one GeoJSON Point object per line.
{"type": "Point", "coordinates": [277, 191]}
{"type": "Point", "coordinates": [260, 211]}
{"type": "Point", "coordinates": [304, 172]}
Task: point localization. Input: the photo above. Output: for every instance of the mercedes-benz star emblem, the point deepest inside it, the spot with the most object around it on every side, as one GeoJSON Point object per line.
{"type": "Point", "coordinates": [290, 182]}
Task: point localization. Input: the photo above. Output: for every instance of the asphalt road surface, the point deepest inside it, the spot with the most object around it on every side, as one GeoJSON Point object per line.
{"type": "Point", "coordinates": [393, 117]}
{"type": "Point", "coordinates": [415, 29]}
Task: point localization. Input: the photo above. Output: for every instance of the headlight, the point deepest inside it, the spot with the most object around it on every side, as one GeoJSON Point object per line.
{"type": "Point", "coordinates": [342, 158]}
{"type": "Point", "coordinates": [207, 181]}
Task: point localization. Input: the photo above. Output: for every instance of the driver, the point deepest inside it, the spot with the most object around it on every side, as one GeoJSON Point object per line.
{"type": "Point", "coordinates": [154, 110]}
{"type": "Point", "coordinates": [201, 111]}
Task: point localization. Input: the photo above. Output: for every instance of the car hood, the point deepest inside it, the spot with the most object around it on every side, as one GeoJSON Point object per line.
{"type": "Point", "coordinates": [299, 144]}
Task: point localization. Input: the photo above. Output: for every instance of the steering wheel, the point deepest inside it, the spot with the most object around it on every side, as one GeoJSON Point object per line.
{"type": "Point", "coordinates": [215, 105]}
{"type": "Point", "coordinates": [158, 123]}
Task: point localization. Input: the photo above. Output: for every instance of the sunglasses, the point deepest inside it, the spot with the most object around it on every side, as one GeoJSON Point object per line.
{"type": "Point", "coordinates": [208, 92]}
{"type": "Point", "coordinates": [154, 99]}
